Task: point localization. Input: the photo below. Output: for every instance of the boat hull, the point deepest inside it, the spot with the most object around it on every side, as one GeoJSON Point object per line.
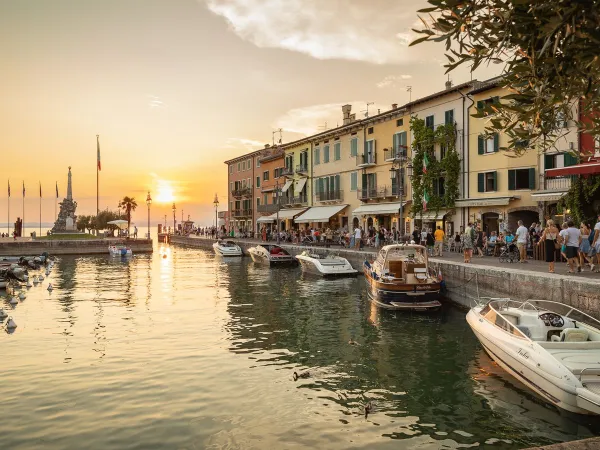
{"type": "Point", "coordinates": [523, 361]}
{"type": "Point", "coordinates": [410, 297]}
{"type": "Point", "coordinates": [227, 251]}
{"type": "Point", "coordinates": [314, 267]}
{"type": "Point", "coordinates": [273, 261]}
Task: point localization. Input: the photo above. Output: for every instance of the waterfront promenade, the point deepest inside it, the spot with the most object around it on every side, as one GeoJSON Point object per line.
{"type": "Point", "coordinates": [32, 247]}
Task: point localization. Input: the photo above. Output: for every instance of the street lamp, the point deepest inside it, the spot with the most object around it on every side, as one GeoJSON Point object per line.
{"type": "Point", "coordinates": [148, 202]}
{"type": "Point", "coordinates": [174, 220]}
{"type": "Point", "coordinates": [277, 192]}
{"type": "Point", "coordinates": [216, 203]}
{"type": "Point", "coordinates": [397, 175]}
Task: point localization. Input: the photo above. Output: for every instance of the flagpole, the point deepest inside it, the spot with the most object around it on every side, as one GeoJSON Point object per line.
{"type": "Point", "coordinates": [23, 224]}
{"type": "Point", "coordinates": [40, 209]}
{"type": "Point", "coordinates": [8, 217]}
{"type": "Point", "coordinates": [98, 177]}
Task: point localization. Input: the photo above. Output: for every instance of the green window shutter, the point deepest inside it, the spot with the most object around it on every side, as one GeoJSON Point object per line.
{"type": "Point", "coordinates": [394, 183]}
{"type": "Point", "coordinates": [321, 185]}
{"type": "Point", "coordinates": [480, 145]}
{"type": "Point", "coordinates": [326, 154]}
{"type": "Point", "coordinates": [337, 149]}
{"type": "Point", "coordinates": [548, 162]}
{"type": "Point", "coordinates": [353, 147]}
{"type": "Point", "coordinates": [317, 155]}
{"type": "Point", "coordinates": [449, 117]}
{"type": "Point", "coordinates": [512, 180]}
{"type": "Point", "coordinates": [480, 105]}
{"type": "Point", "coordinates": [496, 142]}
{"type": "Point", "coordinates": [402, 143]}
{"type": "Point", "coordinates": [364, 181]}
{"type": "Point", "coordinates": [353, 181]}
{"type": "Point", "coordinates": [480, 182]}
{"type": "Point", "coordinates": [570, 160]}
{"type": "Point", "coordinates": [532, 178]}
{"type": "Point", "coordinates": [495, 181]}
{"type": "Point", "coordinates": [396, 148]}
{"type": "Point", "coordinates": [337, 182]}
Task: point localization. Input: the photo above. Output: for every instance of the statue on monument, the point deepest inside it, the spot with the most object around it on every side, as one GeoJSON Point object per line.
{"type": "Point", "coordinates": [66, 220]}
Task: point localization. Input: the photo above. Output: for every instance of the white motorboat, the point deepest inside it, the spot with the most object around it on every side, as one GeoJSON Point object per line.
{"type": "Point", "coordinates": [119, 250]}
{"type": "Point", "coordinates": [271, 255]}
{"type": "Point", "coordinates": [227, 248]}
{"type": "Point", "coordinates": [552, 348]}
{"type": "Point", "coordinates": [326, 266]}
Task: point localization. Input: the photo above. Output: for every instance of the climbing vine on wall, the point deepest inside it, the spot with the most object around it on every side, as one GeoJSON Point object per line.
{"type": "Point", "coordinates": [580, 198]}
{"type": "Point", "coordinates": [424, 142]}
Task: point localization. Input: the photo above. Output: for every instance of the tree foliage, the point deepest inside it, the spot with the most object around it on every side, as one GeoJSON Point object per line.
{"type": "Point", "coordinates": [550, 52]}
{"type": "Point", "coordinates": [128, 204]}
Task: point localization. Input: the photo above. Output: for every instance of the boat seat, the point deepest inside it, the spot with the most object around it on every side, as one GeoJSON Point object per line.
{"type": "Point", "coordinates": [572, 335]}
{"type": "Point", "coordinates": [524, 330]}
{"type": "Point", "coordinates": [577, 360]}
{"type": "Point", "coordinates": [410, 268]}
{"type": "Point", "coordinates": [395, 269]}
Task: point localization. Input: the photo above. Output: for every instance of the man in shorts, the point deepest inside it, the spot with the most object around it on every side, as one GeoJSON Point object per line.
{"type": "Point", "coordinates": [522, 235]}
{"type": "Point", "coordinates": [595, 250]}
{"type": "Point", "coordinates": [573, 238]}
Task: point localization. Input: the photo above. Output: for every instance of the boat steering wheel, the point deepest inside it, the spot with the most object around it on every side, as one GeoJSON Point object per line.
{"type": "Point", "coordinates": [551, 319]}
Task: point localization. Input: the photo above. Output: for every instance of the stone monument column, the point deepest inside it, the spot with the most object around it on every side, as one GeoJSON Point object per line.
{"type": "Point", "coordinates": [69, 187]}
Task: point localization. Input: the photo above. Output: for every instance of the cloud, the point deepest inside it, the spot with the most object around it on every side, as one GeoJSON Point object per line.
{"type": "Point", "coordinates": [155, 102]}
{"type": "Point", "coordinates": [392, 80]}
{"type": "Point", "coordinates": [377, 31]}
{"type": "Point", "coordinates": [313, 119]}
{"type": "Point", "coordinates": [247, 144]}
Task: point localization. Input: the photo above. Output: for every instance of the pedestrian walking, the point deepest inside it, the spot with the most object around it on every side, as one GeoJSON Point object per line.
{"type": "Point", "coordinates": [522, 235]}
{"type": "Point", "coordinates": [439, 241]}
{"type": "Point", "coordinates": [573, 243]}
{"type": "Point", "coordinates": [468, 242]}
{"type": "Point", "coordinates": [357, 238]}
{"type": "Point", "coordinates": [550, 238]}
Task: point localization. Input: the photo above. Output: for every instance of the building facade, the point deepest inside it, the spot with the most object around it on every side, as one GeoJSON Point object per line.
{"type": "Point", "coordinates": [241, 192]}
{"type": "Point", "coordinates": [268, 178]}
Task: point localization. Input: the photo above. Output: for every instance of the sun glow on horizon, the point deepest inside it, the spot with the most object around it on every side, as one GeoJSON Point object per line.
{"type": "Point", "coordinates": [166, 193]}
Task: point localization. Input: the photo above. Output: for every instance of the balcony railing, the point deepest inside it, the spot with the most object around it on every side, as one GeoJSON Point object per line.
{"type": "Point", "coordinates": [555, 183]}
{"type": "Point", "coordinates": [395, 191]}
{"type": "Point", "coordinates": [266, 208]}
{"type": "Point", "coordinates": [242, 213]}
{"type": "Point", "coordinates": [297, 200]}
{"type": "Point", "coordinates": [366, 159]}
{"type": "Point", "coordinates": [301, 168]}
{"type": "Point", "coordinates": [374, 192]}
{"type": "Point", "coordinates": [244, 192]}
{"type": "Point", "coordinates": [286, 171]}
{"type": "Point", "coordinates": [330, 196]}
{"type": "Point", "coordinates": [398, 154]}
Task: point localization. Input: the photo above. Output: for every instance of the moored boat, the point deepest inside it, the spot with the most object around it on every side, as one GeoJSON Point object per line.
{"type": "Point", "coordinates": [271, 255]}
{"type": "Point", "coordinates": [119, 250]}
{"type": "Point", "coordinates": [227, 248]}
{"type": "Point", "coordinates": [326, 266]}
{"type": "Point", "coordinates": [552, 348]}
{"type": "Point", "coordinates": [400, 279]}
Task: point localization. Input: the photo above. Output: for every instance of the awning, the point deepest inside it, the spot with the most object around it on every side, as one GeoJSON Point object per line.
{"type": "Point", "coordinates": [484, 201]}
{"type": "Point", "coordinates": [299, 185]}
{"type": "Point", "coordinates": [378, 208]}
{"type": "Point", "coordinates": [265, 219]}
{"type": "Point", "coordinates": [319, 214]}
{"type": "Point", "coordinates": [285, 214]}
{"type": "Point", "coordinates": [578, 169]}
{"type": "Point", "coordinates": [548, 196]}
{"type": "Point", "coordinates": [432, 215]}
{"type": "Point", "coordinates": [287, 185]}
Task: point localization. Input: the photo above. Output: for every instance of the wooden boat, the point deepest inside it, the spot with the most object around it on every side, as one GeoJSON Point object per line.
{"type": "Point", "coordinates": [400, 279]}
{"type": "Point", "coordinates": [271, 255]}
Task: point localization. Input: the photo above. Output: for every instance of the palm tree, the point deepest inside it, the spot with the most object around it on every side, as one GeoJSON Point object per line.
{"type": "Point", "coordinates": [128, 204]}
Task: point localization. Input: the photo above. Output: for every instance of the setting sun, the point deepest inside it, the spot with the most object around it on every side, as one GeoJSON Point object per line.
{"type": "Point", "coordinates": [165, 192]}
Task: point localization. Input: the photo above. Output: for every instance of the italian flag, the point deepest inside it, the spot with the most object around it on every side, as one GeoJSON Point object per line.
{"type": "Point", "coordinates": [425, 200]}
{"type": "Point", "coordinates": [425, 163]}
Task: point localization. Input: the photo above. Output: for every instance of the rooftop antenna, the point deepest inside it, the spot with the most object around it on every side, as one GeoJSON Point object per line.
{"type": "Point", "coordinates": [367, 110]}
{"type": "Point", "coordinates": [323, 127]}
{"type": "Point", "coordinates": [409, 90]}
{"type": "Point", "coordinates": [274, 133]}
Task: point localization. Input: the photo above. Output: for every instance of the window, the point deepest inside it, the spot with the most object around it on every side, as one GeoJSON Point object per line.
{"type": "Point", "coordinates": [265, 199]}
{"type": "Point", "coordinates": [443, 150]}
{"type": "Point", "coordinates": [400, 146]}
{"type": "Point", "coordinates": [597, 147]}
{"type": "Point", "coordinates": [230, 168]}
{"type": "Point", "coordinates": [370, 130]}
{"type": "Point", "coordinates": [326, 154]}
{"type": "Point", "coordinates": [257, 162]}
{"type": "Point", "coordinates": [353, 181]}
{"type": "Point", "coordinates": [289, 162]}
{"type": "Point", "coordinates": [429, 122]}
{"type": "Point", "coordinates": [239, 167]}
{"type": "Point", "coordinates": [559, 160]}
{"type": "Point", "coordinates": [449, 117]}
{"type": "Point", "coordinates": [231, 186]}
{"type": "Point", "coordinates": [266, 175]}
{"type": "Point", "coordinates": [439, 187]}
{"type": "Point", "coordinates": [337, 151]}
{"type": "Point", "coordinates": [304, 159]}
{"type": "Point", "coordinates": [257, 182]}
{"type": "Point", "coordinates": [353, 146]}
{"type": "Point", "coordinates": [249, 164]}
{"type": "Point", "coordinates": [317, 156]}
{"type": "Point", "coordinates": [485, 146]}
{"type": "Point", "coordinates": [276, 172]}
{"type": "Point", "coordinates": [370, 150]}
{"type": "Point", "coordinates": [481, 104]}
{"type": "Point", "coordinates": [399, 122]}
{"type": "Point", "coordinates": [561, 121]}
{"type": "Point", "coordinates": [521, 179]}
{"type": "Point", "coordinates": [257, 202]}
{"type": "Point", "coordinates": [230, 206]}
{"type": "Point", "coordinates": [487, 182]}
{"type": "Point", "coordinates": [249, 183]}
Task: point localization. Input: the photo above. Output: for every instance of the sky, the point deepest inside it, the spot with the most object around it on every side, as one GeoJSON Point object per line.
{"type": "Point", "coordinates": [174, 88]}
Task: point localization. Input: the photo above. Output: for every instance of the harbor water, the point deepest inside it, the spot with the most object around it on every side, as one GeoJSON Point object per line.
{"type": "Point", "coordinates": [182, 349]}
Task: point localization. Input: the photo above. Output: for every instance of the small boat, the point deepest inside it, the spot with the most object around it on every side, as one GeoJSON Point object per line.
{"type": "Point", "coordinates": [550, 347]}
{"type": "Point", "coordinates": [326, 266]}
{"type": "Point", "coordinates": [119, 250]}
{"type": "Point", "coordinates": [271, 255]}
{"type": "Point", "coordinates": [227, 248]}
{"type": "Point", "coordinates": [400, 279]}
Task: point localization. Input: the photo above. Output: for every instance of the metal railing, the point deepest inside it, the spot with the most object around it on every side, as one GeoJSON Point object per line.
{"type": "Point", "coordinates": [555, 183]}
{"type": "Point", "coordinates": [366, 159]}
{"type": "Point", "coordinates": [267, 208]}
{"type": "Point", "coordinates": [301, 168]}
{"type": "Point", "coordinates": [244, 192]}
{"type": "Point", "coordinates": [328, 196]}
{"type": "Point", "coordinates": [399, 154]}
{"type": "Point", "coordinates": [286, 171]}
{"type": "Point", "coordinates": [242, 213]}
{"type": "Point", "coordinates": [297, 200]}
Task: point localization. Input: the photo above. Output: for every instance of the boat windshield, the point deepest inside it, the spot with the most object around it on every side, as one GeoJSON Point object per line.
{"type": "Point", "coordinates": [493, 314]}
{"type": "Point", "coordinates": [409, 254]}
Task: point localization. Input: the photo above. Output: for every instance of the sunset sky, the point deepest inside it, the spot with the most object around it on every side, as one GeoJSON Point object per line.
{"type": "Point", "coordinates": [176, 87]}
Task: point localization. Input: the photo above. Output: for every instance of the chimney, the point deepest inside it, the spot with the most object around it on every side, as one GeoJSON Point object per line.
{"type": "Point", "coordinates": [379, 111]}
{"type": "Point", "coordinates": [394, 105]}
{"type": "Point", "coordinates": [448, 84]}
{"type": "Point", "coordinates": [346, 114]}
{"type": "Point", "coordinates": [267, 145]}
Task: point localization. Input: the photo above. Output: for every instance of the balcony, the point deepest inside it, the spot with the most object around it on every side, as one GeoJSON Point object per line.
{"type": "Point", "coordinates": [222, 214]}
{"type": "Point", "coordinates": [266, 208]}
{"type": "Point", "coordinates": [395, 191]}
{"type": "Point", "coordinates": [330, 196]}
{"type": "Point", "coordinates": [286, 172]}
{"type": "Point", "coordinates": [366, 160]}
{"type": "Point", "coordinates": [398, 155]}
{"type": "Point", "coordinates": [372, 192]}
{"type": "Point", "coordinates": [244, 192]}
{"type": "Point", "coordinates": [555, 183]}
{"type": "Point", "coordinates": [242, 213]}
{"type": "Point", "coordinates": [298, 200]}
{"type": "Point", "coordinates": [301, 168]}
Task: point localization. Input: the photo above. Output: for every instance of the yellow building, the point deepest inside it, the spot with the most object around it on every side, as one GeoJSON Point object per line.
{"type": "Point", "coordinates": [383, 146]}
{"type": "Point", "coordinates": [500, 187]}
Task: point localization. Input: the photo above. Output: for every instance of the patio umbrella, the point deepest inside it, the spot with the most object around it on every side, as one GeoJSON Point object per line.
{"type": "Point", "coordinates": [117, 223]}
